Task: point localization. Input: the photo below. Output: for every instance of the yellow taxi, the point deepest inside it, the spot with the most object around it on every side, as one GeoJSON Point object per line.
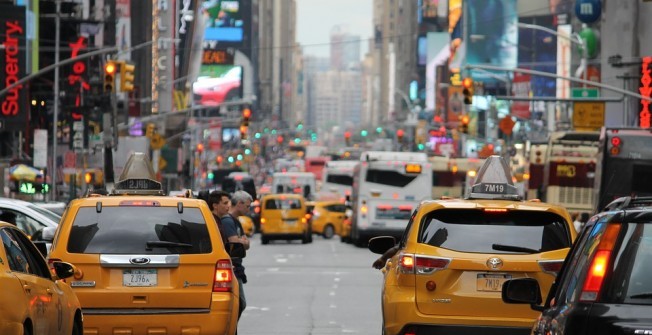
{"type": "Point", "coordinates": [327, 218]}
{"type": "Point", "coordinates": [247, 225]}
{"type": "Point", "coordinates": [284, 217]}
{"type": "Point", "coordinates": [345, 233]}
{"type": "Point", "coordinates": [446, 273]}
{"type": "Point", "coordinates": [34, 299]}
{"type": "Point", "coordinates": [148, 263]}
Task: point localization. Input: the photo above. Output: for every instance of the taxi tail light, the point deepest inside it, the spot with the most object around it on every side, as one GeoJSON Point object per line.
{"type": "Point", "coordinates": [428, 265]}
{"type": "Point", "coordinates": [551, 267]}
{"type": "Point", "coordinates": [406, 263]}
{"type": "Point", "coordinates": [223, 276]}
{"type": "Point", "coordinates": [599, 265]}
{"type": "Point", "coordinates": [262, 220]}
{"type": "Point", "coordinates": [304, 220]}
{"type": "Point", "coordinates": [363, 210]}
{"type": "Point", "coordinates": [411, 330]}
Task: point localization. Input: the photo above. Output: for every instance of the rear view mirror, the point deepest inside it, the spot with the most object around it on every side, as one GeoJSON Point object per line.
{"type": "Point", "coordinates": [380, 244]}
{"type": "Point", "coordinates": [522, 291]}
{"type": "Point", "coordinates": [235, 249]}
{"type": "Point", "coordinates": [63, 270]}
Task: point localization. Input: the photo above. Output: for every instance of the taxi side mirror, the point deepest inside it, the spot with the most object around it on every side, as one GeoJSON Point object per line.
{"type": "Point", "coordinates": [42, 247]}
{"type": "Point", "coordinates": [48, 234]}
{"type": "Point", "coordinates": [380, 244]}
{"type": "Point", "coordinates": [235, 249]}
{"type": "Point", "coordinates": [63, 270]}
{"type": "Point", "coordinates": [522, 291]}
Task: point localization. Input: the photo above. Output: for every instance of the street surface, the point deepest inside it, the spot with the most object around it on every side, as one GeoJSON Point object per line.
{"type": "Point", "coordinates": [325, 287]}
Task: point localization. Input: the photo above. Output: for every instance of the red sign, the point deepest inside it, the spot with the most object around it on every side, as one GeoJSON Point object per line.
{"type": "Point", "coordinates": [521, 88]}
{"type": "Point", "coordinates": [646, 91]}
{"type": "Point", "coordinates": [13, 105]}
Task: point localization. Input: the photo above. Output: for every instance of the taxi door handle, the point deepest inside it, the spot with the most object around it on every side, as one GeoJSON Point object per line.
{"type": "Point", "coordinates": [27, 288]}
{"type": "Point", "coordinates": [49, 291]}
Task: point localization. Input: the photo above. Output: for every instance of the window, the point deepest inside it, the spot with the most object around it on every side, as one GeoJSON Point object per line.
{"type": "Point", "coordinates": [336, 208]}
{"type": "Point", "coordinates": [476, 231]}
{"type": "Point", "coordinates": [339, 179]}
{"type": "Point", "coordinates": [25, 223]}
{"type": "Point", "coordinates": [15, 255]}
{"type": "Point", "coordinates": [388, 177]}
{"type": "Point", "coordinates": [282, 204]}
{"type": "Point", "coordinates": [139, 230]}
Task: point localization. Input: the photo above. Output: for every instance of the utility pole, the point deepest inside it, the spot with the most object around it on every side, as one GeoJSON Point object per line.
{"type": "Point", "coordinates": [57, 38]}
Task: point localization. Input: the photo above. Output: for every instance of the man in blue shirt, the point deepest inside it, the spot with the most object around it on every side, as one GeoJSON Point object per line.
{"type": "Point", "coordinates": [233, 232]}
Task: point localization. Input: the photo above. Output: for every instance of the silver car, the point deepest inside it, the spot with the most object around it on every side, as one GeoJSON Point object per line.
{"type": "Point", "coordinates": [30, 218]}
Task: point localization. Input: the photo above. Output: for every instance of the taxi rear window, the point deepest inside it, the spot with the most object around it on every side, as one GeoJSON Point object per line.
{"type": "Point", "coordinates": [139, 230]}
{"type": "Point", "coordinates": [282, 204]}
{"type": "Point", "coordinates": [510, 232]}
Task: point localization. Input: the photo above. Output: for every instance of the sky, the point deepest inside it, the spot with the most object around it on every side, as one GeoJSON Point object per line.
{"type": "Point", "coordinates": [315, 18]}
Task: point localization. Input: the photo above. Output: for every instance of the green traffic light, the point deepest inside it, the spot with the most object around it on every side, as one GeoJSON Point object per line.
{"type": "Point", "coordinates": [266, 130]}
{"type": "Point", "coordinates": [231, 159]}
{"type": "Point", "coordinates": [379, 130]}
{"type": "Point", "coordinates": [299, 126]}
{"type": "Point", "coordinates": [273, 131]}
{"type": "Point", "coordinates": [421, 146]}
{"type": "Point", "coordinates": [258, 135]}
{"type": "Point", "coordinates": [297, 140]}
{"type": "Point", "coordinates": [240, 157]}
{"type": "Point", "coordinates": [363, 133]}
{"type": "Point", "coordinates": [211, 175]}
{"type": "Point", "coordinates": [247, 151]}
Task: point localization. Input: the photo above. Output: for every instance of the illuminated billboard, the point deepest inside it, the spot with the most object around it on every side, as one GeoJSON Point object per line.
{"type": "Point", "coordinates": [217, 84]}
{"type": "Point", "coordinates": [13, 32]}
{"type": "Point", "coordinates": [226, 20]}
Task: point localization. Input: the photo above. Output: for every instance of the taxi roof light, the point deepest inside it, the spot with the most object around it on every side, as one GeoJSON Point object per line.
{"type": "Point", "coordinates": [138, 177]}
{"type": "Point", "coordinates": [494, 181]}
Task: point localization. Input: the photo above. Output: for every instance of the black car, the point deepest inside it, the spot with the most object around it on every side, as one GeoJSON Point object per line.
{"type": "Point", "coordinates": [605, 284]}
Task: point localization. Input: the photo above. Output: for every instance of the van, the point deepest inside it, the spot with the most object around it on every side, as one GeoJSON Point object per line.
{"type": "Point", "coordinates": [239, 181]}
{"type": "Point", "coordinates": [302, 183]}
{"type": "Point", "coordinates": [284, 217]}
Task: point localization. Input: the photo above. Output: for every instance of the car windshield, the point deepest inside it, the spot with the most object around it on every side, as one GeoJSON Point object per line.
{"type": "Point", "coordinates": [631, 281]}
{"type": "Point", "coordinates": [495, 232]}
{"type": "Point", "coordinates": [139, 230]}
{"type": "Point", "coordinates": [46, 212]}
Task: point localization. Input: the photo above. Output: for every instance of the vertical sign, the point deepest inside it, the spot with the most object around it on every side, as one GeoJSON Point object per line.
{"type": "Point", "coordinates": [563, 60]}
{"type": "Point", "coordinates": [123, 27]}
{"type": "Point", "coordinates": [13, 106]}
{"type": "Point", "coordinates": [646, 91]}
{"type": "Point", "coordinates": [40, 148]}
{"type": "Point", "coordinates": [521, 87]}
{"type": "Point", "coordinates": [162, 55]}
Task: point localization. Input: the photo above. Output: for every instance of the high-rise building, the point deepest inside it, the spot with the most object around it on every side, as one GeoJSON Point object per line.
{"type": "Point", "coordinates": [345, 49]}
{"type": "Point", "coordinates": [336, 100]}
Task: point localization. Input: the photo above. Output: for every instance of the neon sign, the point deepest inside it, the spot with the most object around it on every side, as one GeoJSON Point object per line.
{"type": "Point", "coordinates": [646, 91]}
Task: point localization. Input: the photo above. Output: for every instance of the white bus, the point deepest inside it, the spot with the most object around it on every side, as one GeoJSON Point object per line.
{"type": "Point", "coordinates": [302, 183]}
{"type": "Point", "coordinates": [337, 179]}
{"type": "Point", "coordinates": [387, 187]}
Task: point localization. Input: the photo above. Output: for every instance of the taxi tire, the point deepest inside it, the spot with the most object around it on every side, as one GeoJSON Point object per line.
{"type": "Point", "coordinates": [329, 231]}
{"type": "Point", "coordinates": [77, 328]}
{"type": "Point", "coordinates": [27, 328]}
{"type": "Point", "coordinates": [264, 239]}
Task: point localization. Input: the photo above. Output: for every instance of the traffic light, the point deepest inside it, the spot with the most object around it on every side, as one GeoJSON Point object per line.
{"type": "Point", "coordinates": [200, 147]}
{"type": "Point", "coordinates": [127, 77]}
{"type": "Point", "coordinates": [464, 124]}
{"type": "Point", "coordinates": [279, 139]}
{"type": "Point", "coordinates": [243, 132]}
{"type": "Point", "coordinates": [89, 178]}
{"type": "Point", "coordinates": [150, 129]}
{"type": "Point", "coordinates": [364, 133]}
{"type": "Point", "coordinates": [110, 69]}
{"type": "Point", "coordinates": [467, 91]}
{"type": "Point", "coordinates": [347, 138]}
{"type": "Point", "coordinates": [246, 115]}
{"type": "Point", "coordinates": [399, 135]}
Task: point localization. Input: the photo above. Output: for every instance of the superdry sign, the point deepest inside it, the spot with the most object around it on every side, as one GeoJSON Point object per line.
{"type": "Point", "coordinates": [13, 105]}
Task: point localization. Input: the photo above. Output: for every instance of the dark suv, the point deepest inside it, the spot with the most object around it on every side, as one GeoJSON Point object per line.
{"type": "Point", "coordinates": [605, 284]}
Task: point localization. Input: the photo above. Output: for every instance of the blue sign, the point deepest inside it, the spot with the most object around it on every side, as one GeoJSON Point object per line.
{"type": "Point", "coordinates": [588, 11]}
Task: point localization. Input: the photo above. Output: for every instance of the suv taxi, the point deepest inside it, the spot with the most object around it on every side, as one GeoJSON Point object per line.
{"type": "Point", "coordinates": [327, 218]}
{"type": "Point", "coordinates": [148, 263]}
{"type": "Point", "coordinates": [284, 216]}
{"type": "Point", "coordinates": [604, 286]}
{"type": "Point", "coordinates": [446, 273]}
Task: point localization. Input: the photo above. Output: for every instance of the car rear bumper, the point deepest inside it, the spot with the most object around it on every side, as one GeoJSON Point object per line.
{"type": "Point", "coordinates": [102, 321]}
{"type": "Point", "coordinates": [283, 236]}
{"type": "Point", "coordinates": [400, 311]}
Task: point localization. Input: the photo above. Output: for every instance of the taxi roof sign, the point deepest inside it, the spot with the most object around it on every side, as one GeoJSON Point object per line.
{"type": "Point", "coordinates": [138, 177]}
{"type": "Point", "coordinates": [494, 181]}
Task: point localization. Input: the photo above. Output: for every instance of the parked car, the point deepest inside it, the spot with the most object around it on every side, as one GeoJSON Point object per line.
{"type": "Point", "coordinates": [32, 219]}
{"type": "Point", "coordinates": [604, 286]}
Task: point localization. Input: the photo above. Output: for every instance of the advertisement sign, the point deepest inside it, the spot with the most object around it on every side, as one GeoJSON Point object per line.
{"type": "Point", "coordinates": [455, 106]}
{"type": "Point", "coordinates": [538, 51]}
{"type": "Point", "coordinates": [455, 27]}
{"type": "Point", "coordinates": [162, 56]}
{"type": "Point", "coordinates": [437, 55]}
{"type": "Point", "coordinates": [217, 84]}
{"type": "Point", "coordinates": [521, 88]}
{"type": "Point", "coordinates": [434, 10]}
{"type": "Point", "coordinates": [490, 41]}
{"type": "Point", "coordinates": [227, 23]}
{"type": "Point", "coordinates": [644, 116]}
{"type": "Point", "coordinates": [40, 148]}
{"type": "Point", "coordinates": [123, 27]}
{"type": "Point", "coordinates": [563, 61]}
{"type": "Point", "coordinates": [13, 105]}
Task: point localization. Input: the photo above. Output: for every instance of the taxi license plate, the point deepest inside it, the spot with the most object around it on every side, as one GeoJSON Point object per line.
{"type": "Point", "coordinates": [139, 277]}
{"type": "Point", "coordinates": [290, 222]}
{"type": "Point", "coordinates": [491, 282]}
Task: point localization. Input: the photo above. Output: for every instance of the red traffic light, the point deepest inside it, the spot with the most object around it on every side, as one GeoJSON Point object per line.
{"type": "Point", "coordinates": [347, 134]}
{"type": "Point", "coordinates": [200, 147]}
{"type": "Point", "coordinates": [279, 139]}
{"type": "Point", "coordinates": [465, 119]}
{"type": "Point", "coordinates": [246, 113]}
{"type": "Point", "coordinates": [400, 133]}
{"type": "Point", "coordinates": [467, 82]}
{"type": "Point", "coordinates": [109, 68]}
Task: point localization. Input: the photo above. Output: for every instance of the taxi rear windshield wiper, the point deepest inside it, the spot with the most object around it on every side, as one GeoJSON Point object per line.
{"type": "Point", "coordinates": [641, 295]}
{"type": "Point", "coordinates": [167, 244]}
{"type": "Point", "coordinates": [514, 248]}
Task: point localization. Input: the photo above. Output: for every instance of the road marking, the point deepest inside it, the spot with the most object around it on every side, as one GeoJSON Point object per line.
{"type": "Point", "coordinates": [273, 269]}
{"type": "Point", "coordinates": [282, 260]}
{"type": "Point", "coordinates": [333, 306]}
{"type": "Point", "coordinates": [337, 279]}
{"type": "Point", "coordinates": [331, 293]}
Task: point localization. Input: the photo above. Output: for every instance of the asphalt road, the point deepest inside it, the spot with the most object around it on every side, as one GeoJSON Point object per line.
{"type": "Point", "coordinates": [325, 287]}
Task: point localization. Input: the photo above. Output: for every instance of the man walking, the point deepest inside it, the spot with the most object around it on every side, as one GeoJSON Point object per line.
{"type": "Point", "coordinates": [233, 232]}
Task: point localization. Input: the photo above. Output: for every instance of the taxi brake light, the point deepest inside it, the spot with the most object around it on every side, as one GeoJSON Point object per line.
{"type": "Point", "coordinates": [551, 267]}
{"type": "Point", "coordinates": [406, 263]}
{"type": "Point", "coordinates": [495, 210]}
{"type": "Point", "coordinates": [263, 220]}
{"type": "Point", "coordinates": [428, 265]}
{"type": "Point", "coordinates": [238, 177]}
{"type": "Point", "coordinates": [363, 210]}
{"type": "Point", "coordinates": [404, 208]}
{"type": "Point", "coordinates": [223, 276]}
{"type": "Point", "coordinates": [599, 264]}
{"type": "Point", "coordinates": [137, 203]}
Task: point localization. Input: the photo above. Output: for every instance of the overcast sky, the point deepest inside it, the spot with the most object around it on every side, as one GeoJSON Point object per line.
{"type": "Point", "coordinates": [315, 18]}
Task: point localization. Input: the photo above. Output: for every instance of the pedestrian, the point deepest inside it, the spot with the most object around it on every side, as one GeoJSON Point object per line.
{"type": "Point", "coordinates": [233, 232]}
{"type": "Point", "coordinates": [219, 203]}
{"type": "Point", "coordinates": [583, 219]}
{"type": "Point", "coordinates": [576, 221]}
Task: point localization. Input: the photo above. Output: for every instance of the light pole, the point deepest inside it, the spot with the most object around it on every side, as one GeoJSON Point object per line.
{"type": "Point", "coordinates": [57, 38]}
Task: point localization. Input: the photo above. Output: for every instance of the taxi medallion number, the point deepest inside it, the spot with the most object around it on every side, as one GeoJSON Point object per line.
{"type": "Point", "coordinates": [491, 282]}
{"type": "Point", "coordinates": [139, 277]}
{"type": "Point", "coordinates": [493, 188]}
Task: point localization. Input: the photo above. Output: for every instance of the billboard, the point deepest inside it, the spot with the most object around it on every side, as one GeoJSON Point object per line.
{"type": "Point", "coordinates": [227, 23]}
{"type": "Point", "coordinates": [13, 105]}
{"type": "Point", "coordinates": [539, 52]}
{"type": "Point", "coordinates": [217, 83]}
{"type": "Point", "coordinates": [491, 37]}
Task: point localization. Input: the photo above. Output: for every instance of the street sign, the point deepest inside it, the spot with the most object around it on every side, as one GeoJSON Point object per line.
{"type": "Point", "coordinates": [585, 93]}
{"type": "Point", "coordinates": [69, 162]}
{"type": "Point", "coordinates": [40, 148]}
{"type": "Point", "coordinates": [506, 125]}
{"type": "Point", "coordinates": [588, 115]}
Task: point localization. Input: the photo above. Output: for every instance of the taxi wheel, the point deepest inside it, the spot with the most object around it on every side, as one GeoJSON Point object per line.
{"type": "Point", "coordinates": [27, 328]}
{"type": "Point", "coordinates": [76, 328]}
{"type": "Point", "coordinates": [264, 239]}
{"type": "Point", "coordinates": [329, 231]}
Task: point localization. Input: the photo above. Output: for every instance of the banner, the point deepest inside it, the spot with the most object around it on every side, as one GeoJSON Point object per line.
{"type": "Point", "coordinates": [13, 105]}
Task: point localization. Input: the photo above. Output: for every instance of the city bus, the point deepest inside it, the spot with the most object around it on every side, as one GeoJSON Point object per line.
{"type": "Point", "coordinates": [387, 187]}
{"type": "Point", "coordinates": [302, 183]}
{"type": "Point", "coordinates": [338, 179]}
{"type": "Point", "coordinates": [569, 170]}
{"type": "Point", "coordinates": [450, 175]}
{"type": "Point", "coordinates": [624, 165]}
{"type": "Point", "coordinates": [536, 165]}
{"type": "Point", "coordinates": [316, 165]}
